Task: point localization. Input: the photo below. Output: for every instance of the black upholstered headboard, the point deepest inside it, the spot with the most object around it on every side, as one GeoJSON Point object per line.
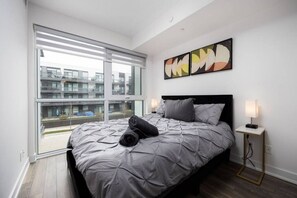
{"type": "Point", "coordinates": [227, 114]}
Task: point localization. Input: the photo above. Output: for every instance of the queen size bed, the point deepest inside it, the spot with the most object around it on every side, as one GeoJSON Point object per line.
{"type": "Point", "coordinates": [173, 162]}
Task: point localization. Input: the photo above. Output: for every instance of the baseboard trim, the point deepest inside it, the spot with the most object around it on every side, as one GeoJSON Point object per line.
{"type": "Point", "coordinates": [17, 186]}
{"type": "Point", "coordinates": [269, 170]}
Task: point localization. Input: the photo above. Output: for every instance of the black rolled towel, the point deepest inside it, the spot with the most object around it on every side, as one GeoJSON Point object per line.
{"type": "Point", "coordinates": [142, 127]}
{"type": "Point", "coordinates": [129, 138]}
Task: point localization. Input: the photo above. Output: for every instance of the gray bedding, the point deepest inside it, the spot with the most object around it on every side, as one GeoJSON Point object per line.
{"type": "Point", "coordinates": [151, 166]}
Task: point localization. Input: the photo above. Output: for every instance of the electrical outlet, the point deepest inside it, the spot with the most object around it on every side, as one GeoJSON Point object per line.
{"type": "Point", "coordinates": [268, 149]}
{"type": "Point", "coordinates": [22, 154]}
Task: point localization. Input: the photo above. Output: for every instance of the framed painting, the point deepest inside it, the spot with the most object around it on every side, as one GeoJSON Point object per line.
{"type": "Point", "coordinates": [178, 66]}
{"type": "Point", "coordinates": [212, 58]}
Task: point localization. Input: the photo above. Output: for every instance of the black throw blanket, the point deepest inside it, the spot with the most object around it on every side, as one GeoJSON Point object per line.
{"type": "Point", "coordinates": [142, 127]}
{"type": "Point", "coordinates": [129, 138]}
{"type": "Point", "coordinates": [138, 129]}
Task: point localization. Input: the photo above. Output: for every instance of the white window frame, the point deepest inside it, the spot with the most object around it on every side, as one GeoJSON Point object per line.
{"type": "Point", "coordinates": [107, 79]}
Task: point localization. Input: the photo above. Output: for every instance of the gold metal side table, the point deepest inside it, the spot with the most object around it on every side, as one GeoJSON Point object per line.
{"type": "Point", "coordinates": [260, 131]}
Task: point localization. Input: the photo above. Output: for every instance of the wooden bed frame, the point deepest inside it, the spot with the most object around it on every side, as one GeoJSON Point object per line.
{"type": "Point", "coordinates": [188, 184]}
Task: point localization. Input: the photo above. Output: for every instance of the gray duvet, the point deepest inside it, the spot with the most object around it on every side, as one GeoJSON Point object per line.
{"type": "Point", "coordinates": [151, 166]}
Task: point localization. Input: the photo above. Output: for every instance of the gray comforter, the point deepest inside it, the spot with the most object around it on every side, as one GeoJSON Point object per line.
{"type": "Point", "coordinates": [151, 166]}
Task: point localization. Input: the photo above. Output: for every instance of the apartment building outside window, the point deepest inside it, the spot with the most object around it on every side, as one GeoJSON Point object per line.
{"type": "Point", "coordinates": [99, 77]}
{"type": "Point", "coordinates": [70, 74]}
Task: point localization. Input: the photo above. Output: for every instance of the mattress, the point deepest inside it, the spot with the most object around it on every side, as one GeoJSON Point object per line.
{"type": "Point", "coordinates": [151, 166]}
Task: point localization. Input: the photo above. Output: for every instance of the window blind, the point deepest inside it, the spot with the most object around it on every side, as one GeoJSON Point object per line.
{"type": "Point", "coordinates": [50, 39]}
{"type": "Point", "coordinates": [124, 58]}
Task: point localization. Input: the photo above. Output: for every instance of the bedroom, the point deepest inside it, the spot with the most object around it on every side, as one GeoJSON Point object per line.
{"type": "Point", "coordinates": [264, 40]}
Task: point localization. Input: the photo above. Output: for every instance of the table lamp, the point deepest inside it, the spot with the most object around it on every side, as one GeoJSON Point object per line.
{"type": "Point", "coordinates": [251, 110]}
{"type": "Point", "coordinates": [154, 104]}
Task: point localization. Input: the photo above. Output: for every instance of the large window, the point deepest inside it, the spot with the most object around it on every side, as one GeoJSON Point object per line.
{"type": "Point", "coordinates": [81, 80]}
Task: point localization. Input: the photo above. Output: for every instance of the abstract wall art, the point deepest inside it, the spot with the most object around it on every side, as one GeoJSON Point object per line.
{"type": "Point", "coordinates": [176, 67]}
{"type": "Point", "coordinates": [211, 58]}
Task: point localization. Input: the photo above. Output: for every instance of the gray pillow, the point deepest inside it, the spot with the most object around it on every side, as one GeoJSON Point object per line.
{"type": "Point", "coordinates": [161, 108]}
{"type": "Point", "coordinates": [180, 109]}
{"type": "Point", "coordinates": [208, 113]}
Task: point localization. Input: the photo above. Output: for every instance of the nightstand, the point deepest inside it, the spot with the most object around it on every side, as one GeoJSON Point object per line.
{"type": "Point", "coordinates": [260, 131]}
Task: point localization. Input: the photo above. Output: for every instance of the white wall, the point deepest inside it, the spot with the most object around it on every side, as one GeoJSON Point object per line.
{"type": "Point", "coordinates": [48, 18]}
{"type": "Point", "coordinates": [264, 66]}
{"type": "Point", "coordinates": [14, 94]}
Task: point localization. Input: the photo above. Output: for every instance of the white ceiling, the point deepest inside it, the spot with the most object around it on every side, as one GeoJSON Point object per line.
{"type": "Point", "coordinates": [126, 17]}
{"type": "Point", "coordinates": [155, 25]}
{"type": "Point", "coordinates": [221, 17]}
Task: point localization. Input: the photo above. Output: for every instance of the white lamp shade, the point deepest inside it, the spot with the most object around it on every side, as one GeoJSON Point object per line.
{"type": "Point", "coordinates": [251, 108]}
{"type": "Point", "coordinates": [154, 103]}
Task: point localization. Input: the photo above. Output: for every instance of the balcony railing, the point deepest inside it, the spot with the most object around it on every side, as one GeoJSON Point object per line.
{"type": "Point", "coordinates": [118, 92]}
{"type": "Point", "coordinates": [76, 78]}
{"type": "Point", "coordinates": [49, 89]}
{"type": "Point", "coordinates": [59, 76]}
{"type": "Point", "coordinates": [98, 79]}
{"type": "Point", "coordinates": [118, 81]}
{"type": "Point", "coordinates": [84, 90]}
{"type": "Point", "coordinates": [58, 96]}
{"type": "Point", "coordinates": [98, 90]}
{"type": "Point", "coordinates": [50, 75]}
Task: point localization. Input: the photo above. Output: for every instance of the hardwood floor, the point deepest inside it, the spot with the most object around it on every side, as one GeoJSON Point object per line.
{"type": "Point", "coordinates": [49, 178]}
{"type": "Point", "coordinates": [223, 182]}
